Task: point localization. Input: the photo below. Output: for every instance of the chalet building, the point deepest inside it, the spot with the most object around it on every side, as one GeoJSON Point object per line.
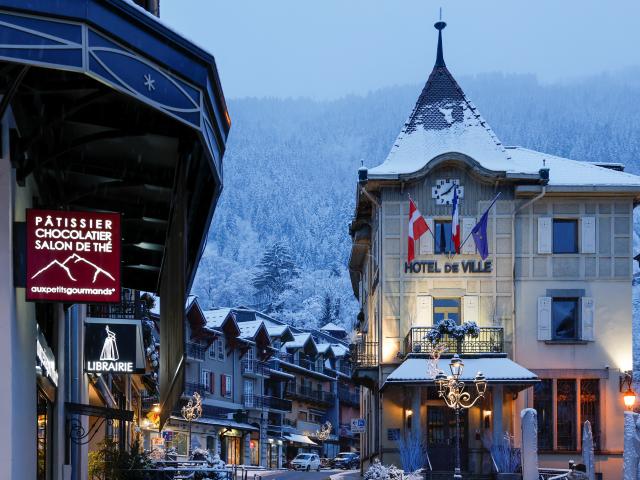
{"type": "Point", "coordinates": [105, 111]}
{"type": "Point", "coordinates": [552, 299]}
{"type": "Point", "coordinates": [267, 389]}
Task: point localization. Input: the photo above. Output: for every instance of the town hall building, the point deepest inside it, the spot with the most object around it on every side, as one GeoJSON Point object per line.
{"type": "Point", "coordinates": [552, 299]}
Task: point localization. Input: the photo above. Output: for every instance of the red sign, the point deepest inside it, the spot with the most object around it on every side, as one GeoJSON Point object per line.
{"type": "Point", "coordinates": [73, 257]}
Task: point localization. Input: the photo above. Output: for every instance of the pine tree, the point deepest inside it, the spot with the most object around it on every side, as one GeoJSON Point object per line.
{"type": "Point", "coordinates": [275, 272]}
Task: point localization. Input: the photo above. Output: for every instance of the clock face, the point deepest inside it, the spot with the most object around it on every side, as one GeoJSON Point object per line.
{"type": "Point", "coordinates": [444, 189]}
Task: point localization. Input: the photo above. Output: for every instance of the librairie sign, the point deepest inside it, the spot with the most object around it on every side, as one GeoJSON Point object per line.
{"type": "Point", "coordinates": [73, 256]}
{"type": "Point", "coordinates": [113, 345]}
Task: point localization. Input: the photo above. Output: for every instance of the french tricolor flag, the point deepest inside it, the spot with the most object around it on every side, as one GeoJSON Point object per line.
{"type": "Point", "coordinates": [455, 221]}
{"type": "Point", "coordinates": [417, 227]}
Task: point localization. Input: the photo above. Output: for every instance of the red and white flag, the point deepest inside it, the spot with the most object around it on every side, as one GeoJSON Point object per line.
{"type": "Point", "coordinates": [455, 221]}
{"type": "Point", "coordinates": [417, 227]}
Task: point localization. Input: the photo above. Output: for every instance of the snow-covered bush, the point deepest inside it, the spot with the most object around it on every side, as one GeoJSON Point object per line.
{"type": "Point", "coordinates": [377, 471]}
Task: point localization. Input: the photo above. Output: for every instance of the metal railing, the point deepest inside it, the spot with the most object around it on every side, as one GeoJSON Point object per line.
{"type": "Point", "coordinates": [191, 387]}
{"type": "Point", "coordinates": [310, 395]}
{"type": "Point", "coordinates": [254, 367]}
{"type": "Point", "coordinates": [490, 340]}
{"type": "Point", "coordinates": [365, 355]}
{"type": "Point", "coordinates": [252, 401]}
{"type": "Point", "coordinates": [195, 351]}
{"type": "Point", "coordinates": [347, 396]}
{"type": "Point", "coordinates": [276, 403]}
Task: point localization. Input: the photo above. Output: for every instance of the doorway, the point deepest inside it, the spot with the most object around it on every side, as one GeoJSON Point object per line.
{"type": "Point", "coordinates": [441, 437]}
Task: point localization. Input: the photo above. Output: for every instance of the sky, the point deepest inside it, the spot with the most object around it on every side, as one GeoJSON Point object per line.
{"type": "Point", "coordinates": [325, 49]}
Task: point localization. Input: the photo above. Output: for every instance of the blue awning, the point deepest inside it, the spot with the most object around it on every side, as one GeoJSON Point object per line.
{"type": "Point", "coordinates": [132, 51]}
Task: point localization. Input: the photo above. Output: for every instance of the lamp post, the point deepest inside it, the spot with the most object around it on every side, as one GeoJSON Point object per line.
{"type": "Point", "coordinates": [190, 412]}
{"type": "Point", "coordinates": [452, 390]}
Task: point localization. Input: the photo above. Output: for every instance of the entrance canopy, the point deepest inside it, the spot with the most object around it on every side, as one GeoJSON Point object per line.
{"type": "Point", "coordinates": [499, 370]}
{"type": "Point", "coordinates": [115, 112]}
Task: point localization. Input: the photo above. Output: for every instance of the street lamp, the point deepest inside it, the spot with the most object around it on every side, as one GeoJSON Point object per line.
{"type": "Point", "coordinates": [452, 390]}
{"type": "Point", "coordinates": [629, 398]}
{"type": "Point", "coordinates": [190, 412]}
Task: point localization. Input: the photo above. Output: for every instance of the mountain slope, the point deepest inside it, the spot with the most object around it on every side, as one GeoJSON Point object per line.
{"type": "Point", "coordinates": [291, 170]}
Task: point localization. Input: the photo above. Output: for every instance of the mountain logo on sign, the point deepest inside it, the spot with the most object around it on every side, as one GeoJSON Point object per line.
{"type": "Point", "coordinates": [70, 261]}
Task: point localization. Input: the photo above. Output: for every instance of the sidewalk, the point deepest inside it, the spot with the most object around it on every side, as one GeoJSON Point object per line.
{"type": "Point", "coordinates": [348, 475]}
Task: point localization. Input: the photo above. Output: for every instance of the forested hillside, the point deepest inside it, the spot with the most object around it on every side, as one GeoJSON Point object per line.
{"type": "Point", "coordinates": [279, 238]}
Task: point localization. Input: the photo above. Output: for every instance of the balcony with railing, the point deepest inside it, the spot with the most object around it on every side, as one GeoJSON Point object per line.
{"type": "Point", "coordinates": [310, 395]}
{"type": "Point", "coordinates": [490, 340]}
{"type": "Point", "coordinates": [275, 403]}
{"type": "Point", "coordinates": [365, 355]}
{"type": "Point", "coordinates": [195, 351]}
{"type": "Point", "coordinates": [305, 363]}
{"type": "Point", "coordinates": [254, 367]}
{"type": "Point", "coordinates": [190, 388]}
{"type": "Point", "coordinates": [348, 397]}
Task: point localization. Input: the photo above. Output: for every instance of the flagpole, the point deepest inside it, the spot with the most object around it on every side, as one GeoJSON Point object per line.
{"type": "Point", "coordinates": [494, 201]}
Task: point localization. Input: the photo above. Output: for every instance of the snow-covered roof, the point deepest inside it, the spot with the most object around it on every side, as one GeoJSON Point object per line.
{"type": "Point", "coordinates": [566, 172]}
{"type": "Point", "coordinates": [496, 370]}
{"type": "Point", "coordinates": [215, 318]}
{"type": "Point", "coordinates": [332, 327]}
{"type": "Point", "coordinates": [299, 340]}
{"type": "Point", "coordinates": [249, 329]}
{"type": "Point", "coordinates": [339, 350]}
{"type": "Point", "coordinates": [444, 121]}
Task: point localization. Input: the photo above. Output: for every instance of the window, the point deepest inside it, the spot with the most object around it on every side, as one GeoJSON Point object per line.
{"type": "Point", "coordinates": [566, 411]}
{"type": "Point", "coordinates": [221, 352]}
{"type": "Point", "coordinates": [205, 380]}
{"type": "Point", "coordinates": [590, 407]}
{"type": "Point", "coordinates": [565, 236]}
{"type": "Point", "coordinates": [225, 385]}
{"type": "Point", "coordinates": [302, 415]}
{"type": "Point", "coordinates": [446, 309]}
{"type": "Point", "coordinates": [212, 350]}
{"type": "Point", "coordinates": [249, 399]}
{"type": "Point", "coordinates": [543, 403]}
{"type": "Point", "coordinates": [444, 243]}
{"type": "Point", "coordinates": [564, 316]}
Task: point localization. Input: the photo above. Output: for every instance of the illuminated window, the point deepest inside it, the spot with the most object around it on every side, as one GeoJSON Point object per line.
{"type": "Point", "coordinates": [446, 309]}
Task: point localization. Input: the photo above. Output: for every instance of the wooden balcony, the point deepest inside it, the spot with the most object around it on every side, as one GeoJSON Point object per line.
{"type": "Point", "coordinates": [490, 340]}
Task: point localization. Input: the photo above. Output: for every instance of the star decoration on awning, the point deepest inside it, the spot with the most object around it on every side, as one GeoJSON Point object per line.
{"type": "Point", "coordinates": [149, 82]}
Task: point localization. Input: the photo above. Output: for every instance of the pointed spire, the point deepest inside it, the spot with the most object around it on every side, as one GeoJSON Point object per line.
{"type": "Point", "coordinates": [440, 57]}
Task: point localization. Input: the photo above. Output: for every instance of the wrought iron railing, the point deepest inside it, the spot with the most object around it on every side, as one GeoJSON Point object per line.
{"type": "Point", "coordinates": [365, 355]}
{"type": "Point", "coordinates": [195, 351]}
{"type": "Point", "coordinates": [252, 401]}
{"type": "Point", "coordinates": [490, 340]}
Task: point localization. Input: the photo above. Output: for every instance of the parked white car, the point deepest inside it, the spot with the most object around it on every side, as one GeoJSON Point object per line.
{"type": "Point", "coordinates": [306, 461]}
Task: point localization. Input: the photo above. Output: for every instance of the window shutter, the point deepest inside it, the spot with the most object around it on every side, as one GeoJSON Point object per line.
{"type": "Point", "coordinates": [544, 234]}
{"type": "Point", "coordinates": [544, 318]}
{"type": "Point", "coordinates": [470, 308]}
{"type": "Point", "coordinates": [212, 382]}
{"type": "Point", "coordinates": [587, 318]}
{"type": "Point", "coordinates": [469, 248]}
{"type": "Point", "coordinates": [424, 311]}
{"type": "Point", "coordinates": [426, 240]}
{"type": "Point", "coordinates": [223, 390]}
{"type": "Point", "coordinates": [588, 234]}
